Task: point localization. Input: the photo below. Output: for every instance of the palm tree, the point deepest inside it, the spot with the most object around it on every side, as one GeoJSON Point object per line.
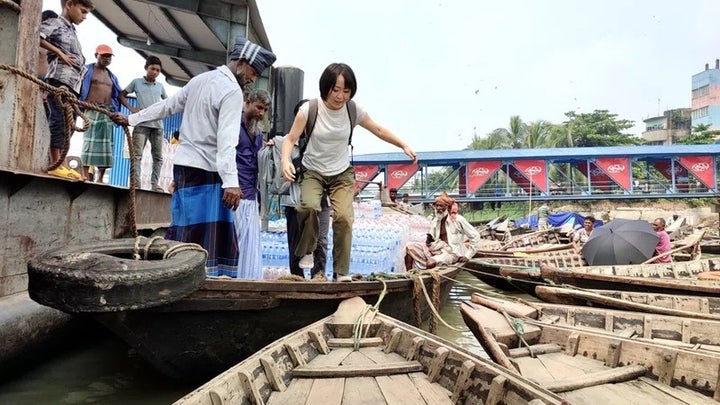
{"type": "Point", "coordinates": [515, 134]}
{"type": "Point", "coordinates": [538, 133]}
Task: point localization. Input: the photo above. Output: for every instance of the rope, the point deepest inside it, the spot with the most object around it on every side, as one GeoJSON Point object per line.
{"type": "Point", "coordinates": [170, 252]}
{"type": "Point", "coordinates": [182, 247]}
{"type": "Point", "coordinates": [71, 106]}
{"type": "Point", "coordinates": [435, 298]}
{"type": "Point", "coordinates": [418, 280]}
{"type": "Point", "coordinates": [360, 321]}
{"type": "Point", "coordinates": [11, 5]}
{"type": "Point", "coordinates": [519, 330]}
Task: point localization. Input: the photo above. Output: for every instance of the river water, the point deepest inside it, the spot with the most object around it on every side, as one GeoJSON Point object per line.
{"type": "Point", "coordinates": [100, 369]}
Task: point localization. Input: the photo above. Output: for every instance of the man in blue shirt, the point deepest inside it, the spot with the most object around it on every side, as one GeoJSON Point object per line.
{"type": "Point", "coordinates": [148, 92]}
{"type": "Point", "coordinates": [247, 216]}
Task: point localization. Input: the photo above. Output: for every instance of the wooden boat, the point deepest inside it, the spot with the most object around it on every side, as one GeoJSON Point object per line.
{"type": "Point", "coordinates": [330, 362]}
{"type": "Point", "coordinates": [676, 331]}
{"type": "Point", "coordinates": [687, 306]}
{"type": "Point", "coordinates": [587, 367]}
{"type": "Point", "coordinates": [227, 320]}
{"type": "Point", "coordinates": [664, 278]}
{"type": "Point", "coordinates": [710, 245]}
{"type": "Point", "coordinates": [488, 269]}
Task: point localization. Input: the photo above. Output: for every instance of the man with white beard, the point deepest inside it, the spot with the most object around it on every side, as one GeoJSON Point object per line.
{"type": "Point", "coordinates": [247, 217]}
{"type": "Point", "coordinates": [451, 239]}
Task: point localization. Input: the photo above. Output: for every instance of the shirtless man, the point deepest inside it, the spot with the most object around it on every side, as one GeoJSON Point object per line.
{"type": "Point", "coordinates": [100, 87]}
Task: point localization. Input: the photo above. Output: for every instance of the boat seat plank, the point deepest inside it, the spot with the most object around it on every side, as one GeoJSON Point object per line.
{"type": "Point", "coordinates": [681, 393]}
{"type": "Point", "coordinates": [431, 393]}
{"type": "Point", "coordinates": [296, 392]}
{"type": "Point", "coordinates": [360, 370]}
{"type": "Point", "coordinates": [536, 349]}
{"type": "Point", "coordinates": [621, 393]}
{"type": "Point", "coordinates": [335, 357]}
{"type": "Point", "coordinates": [363, 390]}
{"type": "Point", "coordinates": [400, 390]}
{"type": "Point", "coordinates": [379, 356]}
{"type": "Point", "coordinates": [350, 342]}
{"type": "Point", "coordinates": [556, 366]}
{"type": "Point", "coordinates": [327, 391]}
{"type": "Point", "coordinates": [357, 358]}
{"type": "Point", "coordinates": [614, 375]}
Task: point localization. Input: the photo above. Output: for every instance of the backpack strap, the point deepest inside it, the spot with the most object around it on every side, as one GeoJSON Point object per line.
{"type": "Point", "coordinates": [312, 118]}
{"type": "Point", "coordinates": [352, 114]}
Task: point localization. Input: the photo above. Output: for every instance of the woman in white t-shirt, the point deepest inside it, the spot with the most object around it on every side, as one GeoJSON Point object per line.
{"type": "Point", "coordinates": [326, 165]}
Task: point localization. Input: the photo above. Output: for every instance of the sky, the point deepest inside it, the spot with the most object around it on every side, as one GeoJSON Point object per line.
{"type": "Point", "coordinates": [436, 73]}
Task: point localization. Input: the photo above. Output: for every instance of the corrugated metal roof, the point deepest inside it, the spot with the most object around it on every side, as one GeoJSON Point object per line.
{"type": "Point", "coordinates": [189, 36]}
{"type": "Point", "coordinates": [446, 158]}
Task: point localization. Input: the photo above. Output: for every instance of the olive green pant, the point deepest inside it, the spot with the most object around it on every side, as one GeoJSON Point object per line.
{"type": "Point", "coordinates": [340, 189]}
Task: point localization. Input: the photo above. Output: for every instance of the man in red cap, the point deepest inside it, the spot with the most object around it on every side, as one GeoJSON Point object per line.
{"type": "Point", "coordinates": [100, 87]}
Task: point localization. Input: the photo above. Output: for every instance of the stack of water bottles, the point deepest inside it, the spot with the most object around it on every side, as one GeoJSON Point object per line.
{"type": "Point", "coordinates": [378, 244]}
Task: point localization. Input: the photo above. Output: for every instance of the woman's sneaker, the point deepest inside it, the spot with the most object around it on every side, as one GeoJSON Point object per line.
{"type": "Point", "coordinates": [307, 262]}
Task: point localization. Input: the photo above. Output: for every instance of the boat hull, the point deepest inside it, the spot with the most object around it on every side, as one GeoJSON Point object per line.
{"type": "Point", "coordinates": [227, 321]}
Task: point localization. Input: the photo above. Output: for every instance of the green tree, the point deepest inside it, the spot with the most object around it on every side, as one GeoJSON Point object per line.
{"type": "Point", "coordinates": [538, 135]}
{"type": "Point", "coordinates": [515, 134]}
{"type": "Point", "coordinates": [599, 128]}
{"type": "Point", "coordinates": [700, 135]}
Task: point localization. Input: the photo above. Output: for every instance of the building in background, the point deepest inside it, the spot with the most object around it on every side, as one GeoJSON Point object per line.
{"type": "Point", "coordinates": [668, 128]}
{"type": "Point", "coordinates": [706, 97]}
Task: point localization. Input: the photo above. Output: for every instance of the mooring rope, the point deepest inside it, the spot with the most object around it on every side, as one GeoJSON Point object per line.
{"type": "Point", "coordinates": [432, 304]}
{"type": "Point", "coordinates": [360, 321]}
{"type": "Point", "coordinates": [71, 106]}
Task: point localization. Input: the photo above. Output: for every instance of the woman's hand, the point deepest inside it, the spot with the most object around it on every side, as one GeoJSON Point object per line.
{"type": "Point", "coordinates": [288, 170]}
{"type": "Point", "coordinates": [411, 154]}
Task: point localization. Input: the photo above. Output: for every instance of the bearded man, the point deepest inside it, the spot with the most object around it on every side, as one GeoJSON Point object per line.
{"type": "Point", "coordinates": [451, 239]}
{"type": "Point", "coordinates": [247, 216]}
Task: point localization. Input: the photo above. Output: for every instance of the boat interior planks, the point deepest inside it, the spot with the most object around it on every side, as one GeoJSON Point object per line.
{"type": "Point", "coordinates": [409, 367]}
{"type": "Point", "coordinates": [687, 306]}
{"type": "Point", "coordinates": [676, 331]}
{"type": "Point", "coordinates": [598, 362]}
{"type": "Point", "coordinates": [665, 278]}
{"type": "Point", "coordinates": [490, 269]}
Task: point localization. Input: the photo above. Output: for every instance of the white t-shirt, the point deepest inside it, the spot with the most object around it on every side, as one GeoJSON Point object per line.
{"type": "Point", "coordinates": [327, 151]}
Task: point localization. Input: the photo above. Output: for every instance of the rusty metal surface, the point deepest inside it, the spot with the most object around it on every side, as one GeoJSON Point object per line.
{"type": "Point", "coordinates": [40, 212]}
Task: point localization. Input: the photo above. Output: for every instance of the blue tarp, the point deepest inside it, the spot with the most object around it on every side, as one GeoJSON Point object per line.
{"type": "Point", "coordinates": [555, 220]}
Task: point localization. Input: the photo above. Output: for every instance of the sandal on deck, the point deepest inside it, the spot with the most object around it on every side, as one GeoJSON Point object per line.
{"type": "Point", "coordinates": [66, 173]}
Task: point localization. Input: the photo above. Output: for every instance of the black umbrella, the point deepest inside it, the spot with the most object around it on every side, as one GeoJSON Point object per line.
{"type": "Point", "coordinates": [620, 241]}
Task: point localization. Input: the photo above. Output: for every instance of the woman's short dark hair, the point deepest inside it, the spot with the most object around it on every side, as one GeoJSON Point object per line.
{"type": "Point", "coordinates": [330, 75]}
{"type": "Point", "coordinates": [152, 60]}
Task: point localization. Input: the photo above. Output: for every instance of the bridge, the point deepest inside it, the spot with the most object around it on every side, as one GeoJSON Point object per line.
{"type": "Point", "coordinates": [588, 173]}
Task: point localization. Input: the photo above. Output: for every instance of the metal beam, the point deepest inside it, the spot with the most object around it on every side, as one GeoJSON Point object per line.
{"type": "Point", "coordinates": [234, 13]}
{"type": "Point", "coordinates": [213, 58]}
